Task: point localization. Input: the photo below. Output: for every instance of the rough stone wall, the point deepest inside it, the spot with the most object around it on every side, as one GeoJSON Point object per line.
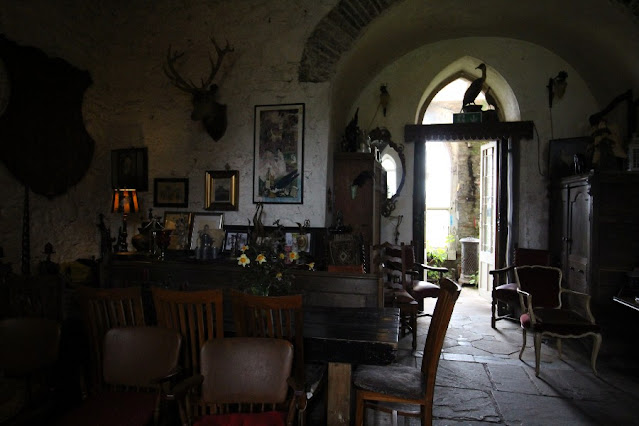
{"type": "Point", "coordinates": [467, 162]}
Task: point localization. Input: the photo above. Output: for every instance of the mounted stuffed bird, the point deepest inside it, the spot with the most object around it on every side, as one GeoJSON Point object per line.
{"type": "Point", "coordinates": [475, 88]}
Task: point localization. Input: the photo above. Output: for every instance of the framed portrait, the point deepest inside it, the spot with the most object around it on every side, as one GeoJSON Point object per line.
{"type": "Point", "coordinates": [222, 190]}
{"type": "Point", "coordinates": [210, 223]}
{"type": "Point", "coordinates": [234, 237]}
{"type": "Point", "coordinates": [180, 225]}
{"type": "Point", "coordinates": [129, 169]}
{"type": "Point", "coordinates": [278, 169]}
{"type": "Point", "coordinates": [171, 192]}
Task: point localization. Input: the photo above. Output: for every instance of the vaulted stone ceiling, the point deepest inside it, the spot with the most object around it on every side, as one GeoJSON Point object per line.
{"type": "Point", "coordinates": [365, 35]}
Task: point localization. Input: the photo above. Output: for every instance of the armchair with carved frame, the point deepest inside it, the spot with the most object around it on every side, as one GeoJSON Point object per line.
{"type": "Point", "coordinates": [505, 300]}
{"type": "Point", "coordinates": [546, 313]}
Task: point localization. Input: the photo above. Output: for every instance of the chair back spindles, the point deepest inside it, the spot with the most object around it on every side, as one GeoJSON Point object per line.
{"type": "Point", "coordinates": [104, 309]}
{"type": "Point", "coordinates": [197, 315]}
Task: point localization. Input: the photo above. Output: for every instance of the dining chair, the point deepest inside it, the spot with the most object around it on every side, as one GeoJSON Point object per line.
{"type": "Point", "coordinates": [197, 315]}
{"type": "Point", "coordinates": [403, 286]}
{"type": "Point", "coordinates": [504, 296]}
{"type": "Point", "coordinates": [379, 387]}
{"type": "Point", "coordinates": [103, 309]}
{"type": "Point", "coordinates": [29, 351]}
{"type": "Point", "coordinates": [243, 380]}
{"type": "Point", "coordinates": [138, 366]}
{"type": "Point", "coordinates": [546, 313]}
{"type": "Point", "coordinates": [280, 317]}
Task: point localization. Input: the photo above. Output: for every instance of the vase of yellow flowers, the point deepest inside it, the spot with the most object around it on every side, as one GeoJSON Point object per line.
{"type": "Point", "coordinates": [267, 268]}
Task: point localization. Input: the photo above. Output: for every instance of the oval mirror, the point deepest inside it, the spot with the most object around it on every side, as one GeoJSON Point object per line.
{"type": "Point", "coordinates": [393, 162]}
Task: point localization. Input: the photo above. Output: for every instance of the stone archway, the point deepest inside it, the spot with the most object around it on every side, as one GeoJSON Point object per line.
{"type": "Point", "coordinates": [335, 34]}
{"type": "Point", "coordinates": [339, 29]}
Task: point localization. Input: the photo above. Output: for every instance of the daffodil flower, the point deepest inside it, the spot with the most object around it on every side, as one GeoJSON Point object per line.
{"type": "Point", "coordinates": [278, 276]}
{"type": "Point", "coordinates": [293, 256]}
{"type": "Point", "coordinates": [311, 266]}
{"type": "Point", "coordinates": [243, 260]}
{"type": "Point", "coordinates": [260, 258]}
{"type": "Point", "coordinates": [244, 248]}
{"type": "Point", "coordinates": [282, 256]}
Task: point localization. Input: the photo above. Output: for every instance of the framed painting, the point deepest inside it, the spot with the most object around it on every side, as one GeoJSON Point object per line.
{"type": "Point", "coordinates": [222, 190]}
{"type": "Point", "coordinates": [278, 169]}
{"type": "Point", "coordinates": [171, 192]}
{"type": "Point", "coordinates": [210, 223]}
{"type": "Point", "coordinates": [129, 169]}
{"type": "Point", "coordinates": [180, 224]}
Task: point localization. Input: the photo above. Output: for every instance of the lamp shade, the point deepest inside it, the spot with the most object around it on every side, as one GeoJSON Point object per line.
{"type": "Point", "coordinates": [125, 201]}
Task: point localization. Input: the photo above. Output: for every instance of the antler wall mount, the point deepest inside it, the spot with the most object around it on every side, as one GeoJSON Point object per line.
{"type": "Point", "coordinates": [205, 107]}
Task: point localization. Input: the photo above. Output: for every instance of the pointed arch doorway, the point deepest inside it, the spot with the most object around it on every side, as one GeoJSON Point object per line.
{"type": "Point", "coordinates": [507, 137]}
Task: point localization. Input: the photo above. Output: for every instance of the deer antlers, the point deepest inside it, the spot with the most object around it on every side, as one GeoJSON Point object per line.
{"type": "Point", "coordinates": [189, 86]}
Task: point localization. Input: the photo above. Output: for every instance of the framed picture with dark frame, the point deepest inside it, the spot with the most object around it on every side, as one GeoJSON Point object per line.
{"type": "Point", "coordinates": [171, 192]}
{"type": "Point", "coordinates": [129, 169]}
{"type": "Point", "coordinates": [222, 190]}
{"type": "Point", "coordinates": [278, 168]}
{"type": "Point", "coordinates": [234, 237]}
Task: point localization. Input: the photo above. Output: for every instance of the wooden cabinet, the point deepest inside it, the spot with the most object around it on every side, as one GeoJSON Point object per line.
{"type": "Point", "coordinates": [320, 288]}
{"type": "Point", "coordinates": [594, 231]}
{"type": "Point", "coordinates": [361, 207]}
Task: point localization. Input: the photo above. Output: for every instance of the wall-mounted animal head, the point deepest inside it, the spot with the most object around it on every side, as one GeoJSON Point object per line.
{"type": "Point", "coordinates": [205, 108]}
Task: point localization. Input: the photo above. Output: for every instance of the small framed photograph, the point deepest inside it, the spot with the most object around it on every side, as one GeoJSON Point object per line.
{"type": "Point", "coordinates": [210, 223]}
{"type": "Point", "coordinates": [129, 169]}
{"type": "Point", "coordinates": [171, 192]}
{"type": "Point", "coordinates": [235, 238]}
{"type": "Point", "coordinates": [180, 224]}
{"type": "Point", "coordinates": [222, 190]}
{"type": "Point", "coordinates": [278, 169]}
{"type": "Point", "coordinates": [298, 242]}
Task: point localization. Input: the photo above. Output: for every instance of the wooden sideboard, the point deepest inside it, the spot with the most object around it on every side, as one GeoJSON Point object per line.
{"type": "Point", "coordinates": [320, 288]}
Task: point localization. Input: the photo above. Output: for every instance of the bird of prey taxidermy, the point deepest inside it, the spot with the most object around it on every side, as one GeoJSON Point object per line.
{"type": "Point", "coordinates": [557, 87]}
{"type": "Point", "coordinates": [360, 180]}
{"type": "Point", "coordinates": [384, 98]}
{"type": "Point", "coordinates": [475, 87]}
{"type": "Point", "coordinates": [490, 100]}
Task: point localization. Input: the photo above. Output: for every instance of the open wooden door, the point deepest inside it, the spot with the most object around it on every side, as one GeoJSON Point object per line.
{"type": "Point", "coordinates": [487, 216]}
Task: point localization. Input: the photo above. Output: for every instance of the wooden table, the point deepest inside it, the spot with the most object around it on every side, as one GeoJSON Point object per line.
{"type": "Point", "coordinates": [344, 337]}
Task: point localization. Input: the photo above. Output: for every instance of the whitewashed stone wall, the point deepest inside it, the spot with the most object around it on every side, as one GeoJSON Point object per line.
{"type": "Point", "coordinates": [132, 104]}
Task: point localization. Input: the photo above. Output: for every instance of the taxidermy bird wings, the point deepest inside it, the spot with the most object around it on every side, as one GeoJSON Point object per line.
{"type": "Point", "coordinates": [475, 87]}
{"type": "Point", "coordinates": [286, 180]}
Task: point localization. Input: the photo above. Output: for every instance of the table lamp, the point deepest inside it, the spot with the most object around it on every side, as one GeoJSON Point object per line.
{"type": "Point", "coordinates": [125, 201]}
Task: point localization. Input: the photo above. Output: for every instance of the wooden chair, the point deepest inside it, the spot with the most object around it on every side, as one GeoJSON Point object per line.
{"type": "Point", "coordinates": [412, 274]}
{"type": "Point", "coordinates": [197, 315]}
{"type": "Point", "coordinates": [138, 366]}
{"type": "Point", "coordinates": [504, 292]}
{"type": "Point", "coordinates": [29, 349]}
{"type": "Point", "coordinates": [243, 380]}
{"type": "Point", "coordinates": [103, 309]}
{"type": "Point", "coordinates": [379, 387]}
{"type": "Point", "coordinates": [544, 313]}
{"type": "Point", "coordinates": [402, 287]}
{"type": "Point", "coordinates": [280, 317]}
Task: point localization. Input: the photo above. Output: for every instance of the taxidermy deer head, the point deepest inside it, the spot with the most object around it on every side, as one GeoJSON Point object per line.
{"type": "Point", "coordinates": [205, 108]}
